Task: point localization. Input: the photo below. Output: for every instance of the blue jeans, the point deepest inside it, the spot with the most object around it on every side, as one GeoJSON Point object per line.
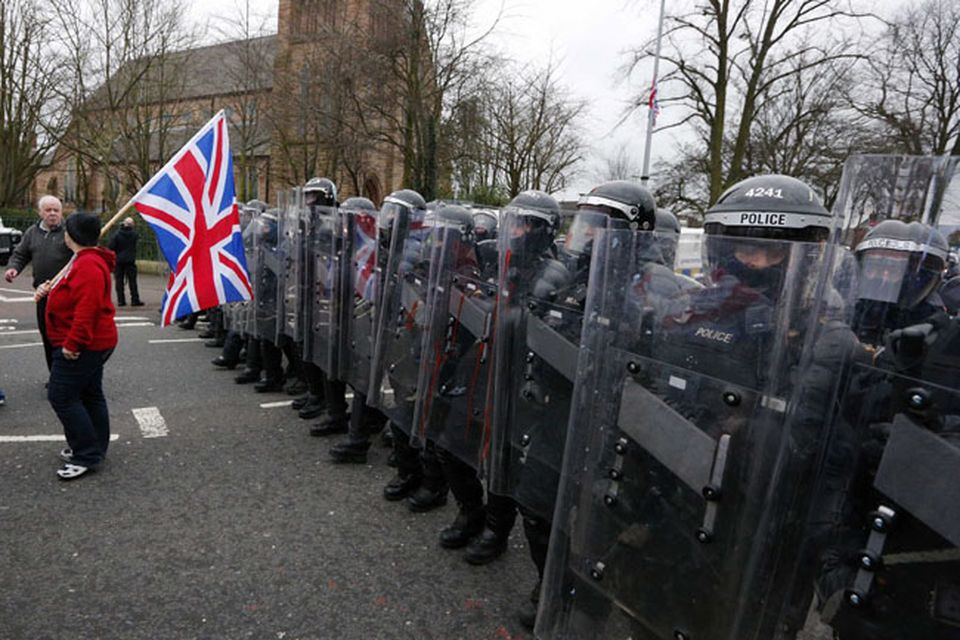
{"type": "Point", "coordinates": [76, 394]}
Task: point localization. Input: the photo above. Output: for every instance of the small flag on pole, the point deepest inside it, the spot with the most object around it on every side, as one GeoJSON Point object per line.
{"type": "Point", "coordinates": [192, 207]}
{"type": "Point", "coordinates": [654, 103]}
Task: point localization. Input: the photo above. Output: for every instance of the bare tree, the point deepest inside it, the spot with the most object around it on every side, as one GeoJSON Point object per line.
{"type": "Point", "coordinates": [619, 164]}
{"type": "Point", "coordinates": [250, 70]}
{"type": "Point", "coordinates": [128, 62]}
{"type": "Point", "coordinates": [520, 132]}
{"type": "Point", "coordinates": [725, 56]}
{"type": "Point", "coordinates": [28, 108]}
{"type": "Point", "coordinates": [913, 80]}
{"type": "Point", "coordinates": [424, 55]}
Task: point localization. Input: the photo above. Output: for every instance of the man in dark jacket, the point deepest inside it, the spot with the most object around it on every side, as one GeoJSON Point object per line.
{"type": "Point", "coordinates": [42, 244]}
{"type": "Point", "coordinates": [124, 244]}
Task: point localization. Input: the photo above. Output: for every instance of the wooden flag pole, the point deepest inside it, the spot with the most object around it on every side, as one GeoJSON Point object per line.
{"type": "Point", "coordinates": [112, 221]}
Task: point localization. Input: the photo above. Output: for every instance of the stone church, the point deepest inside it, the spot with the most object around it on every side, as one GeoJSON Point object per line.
{"type": "Point", "coordinates": [290, 100]}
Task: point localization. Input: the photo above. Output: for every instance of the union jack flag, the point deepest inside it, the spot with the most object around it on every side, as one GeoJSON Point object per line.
{"type": "Point", "coordinates": [192, 207]}
{"type": "Point", "coordinates": [365, 256]}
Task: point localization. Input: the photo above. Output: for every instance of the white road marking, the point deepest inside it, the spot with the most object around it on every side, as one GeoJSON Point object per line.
{"type": "Point", "coordinates": [152, 424]}
{"type": "Point", "coordinates": [9, 290]}
{"type": "Point", "coordinates": [6, 299]}
{"type": "Point", "coordinates": [113, 436]}
{"type": "Point", "coordinates": [176, 340]}
{"type": "Point", "coordinates": [21, 346]}
{"type": "Point", "coordinates": [274, 405]}
{"type": "Point", "coordinates": [141, 318]}
{"type": "Point", "coordinates": [22, 332]}
{"type": "Point", "coordinates": [134, 324]}
{"type": "Point", "coordinates": [9, 321]}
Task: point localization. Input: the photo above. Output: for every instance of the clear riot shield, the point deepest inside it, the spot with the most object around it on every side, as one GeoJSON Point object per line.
{"type": "Point", "coordinates": [537, 337]}
{"type": "Point", "coordinates": [360, 289]}
{"type": "Point", "coordinates": [290, 295]}
{"type": "Point", "coordinates": [322, 283]}
{"type": "Point", "coordinates": [240, 316]}
{"type": "Point", "coordinates": [693, 443]}
{"type": "Point", "coordinates": [452, 401]}
{"type": "Point", "coordinates": [400, 327]}
{"type": "Point", "coordinates": [886, 534]}
{"type": "Point", "coordinates": [266, 270]}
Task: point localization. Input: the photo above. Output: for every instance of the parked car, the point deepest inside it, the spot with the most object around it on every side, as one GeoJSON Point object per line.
{"type": "Point", "coordinates": [9, 238]}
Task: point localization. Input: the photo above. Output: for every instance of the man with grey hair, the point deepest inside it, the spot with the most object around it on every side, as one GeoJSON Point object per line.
{"type": "Point", "coordinates": [42, 244]}
{"type": "Point", "coordinates": [124, 244]}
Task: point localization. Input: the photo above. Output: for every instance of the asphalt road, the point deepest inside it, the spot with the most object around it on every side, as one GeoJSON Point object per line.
{"type": "Point", "coordinates": [232, 525]}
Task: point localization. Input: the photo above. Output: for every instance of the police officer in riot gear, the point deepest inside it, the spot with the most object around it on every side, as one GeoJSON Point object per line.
{"type": "Point", "coordinates": [419, 477]}
{"type": "Point", "coordinates": [888, 558]}
{"type": "Point", "coordinates": [539, 412]}
{"type": "Point", "coordinates": [485, 233]}
{"type": "Point", "coordinates": [317, 192]}
{"type": "Point", "coordinates": [900, 269]}
{"type": "Point", "coordinates": [365, 421]}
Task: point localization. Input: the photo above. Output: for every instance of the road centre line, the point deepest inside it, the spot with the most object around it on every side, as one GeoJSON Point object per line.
{"type": "Point", "coordinates": [135, 324]}
{"type": "Point", "coordinates": [173, 340]}
{"type": "Point", "coordinates": [9, 321]}
{"type": "Point", "coordinates": [113, 436]}
{"type": "Point", "coordinates": [152, 424]}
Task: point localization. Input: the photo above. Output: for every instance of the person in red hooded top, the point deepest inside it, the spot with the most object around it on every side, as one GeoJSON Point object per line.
{"type": "Point", "coordinates": [80, 325]}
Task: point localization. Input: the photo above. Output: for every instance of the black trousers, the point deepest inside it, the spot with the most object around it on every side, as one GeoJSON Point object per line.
{"type": "Point", "coordinates": [42, 328]}
{"type": "Point", "coordinates": [126, 272]}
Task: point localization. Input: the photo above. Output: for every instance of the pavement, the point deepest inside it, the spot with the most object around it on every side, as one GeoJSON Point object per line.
{"type": "Point", "coordinates": [215, 516]}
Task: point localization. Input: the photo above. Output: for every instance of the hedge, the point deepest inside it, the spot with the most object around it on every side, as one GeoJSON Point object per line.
{"type": "Point", "coordinates": [147, 248]}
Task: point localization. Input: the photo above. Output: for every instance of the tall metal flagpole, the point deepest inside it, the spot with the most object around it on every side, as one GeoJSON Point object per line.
{"type": "Point", "coordinates": [651, 110]}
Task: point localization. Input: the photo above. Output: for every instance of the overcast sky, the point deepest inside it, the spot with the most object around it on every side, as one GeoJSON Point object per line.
{"type": "Point", "coordinates": [586, 39]}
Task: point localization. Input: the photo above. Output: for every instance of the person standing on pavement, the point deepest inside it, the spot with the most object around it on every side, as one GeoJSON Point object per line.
{"type": "Point", "coordinates": [42, 244]}
{"type": "Point", "coordinates": [80, 323]}
{"type": "Point", "coordinates": [124, 244]}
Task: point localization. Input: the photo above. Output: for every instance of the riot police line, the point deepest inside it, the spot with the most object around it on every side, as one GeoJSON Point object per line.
{"type": "Point", "coordinates": [771, 450]}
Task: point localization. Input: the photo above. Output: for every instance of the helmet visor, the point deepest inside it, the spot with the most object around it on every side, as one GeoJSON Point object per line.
{"type": "Point", "coordinates": [896, 277]}
{"type": "Point", "coordinates": [584, 228]}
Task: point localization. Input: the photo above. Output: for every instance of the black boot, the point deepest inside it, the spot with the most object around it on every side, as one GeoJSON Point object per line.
{"type": "Point", "coordinates": [301, 402]}
{"type": "Point", "coordinates": [220, 361]}
{"type": "Point", "coordinates": [493, 540]}
{"type": "Point", "coordinates": [350, 452]}
{"type": "Point", "coordinates": [314, 407]}
{"type": "Point", "coordinates": [400, 487]}
{"type": "Point", "coordinates": [268, 386]}
{"type": "Point", "coordinates": [426, 498]}
{"type": "Point", "coordinates": [330, 426]}
{"type": "Point", "coordinates": [528, 615]}
{"type": "Point", "coordinates": [468, 523]}
{"type": "Point", "coordinates": [247, 376]}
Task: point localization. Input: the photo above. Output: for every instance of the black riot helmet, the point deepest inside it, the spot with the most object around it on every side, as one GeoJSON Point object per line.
{"type": "Point", "coordinates": [402, 200]}
{"type": "Point", "coordinates": [618, 203]}
{"type": "Point", "coordinates": [535, 217]}
{"type": "Point", "coordinates": [900, 268]}
{"type": "Point", "coordinates": [749, 230]}
{"type": "Point", "coordinates": [623, 200]}
{"type": "Point", "coordinates": [452, 215]}
{"type": "Point", "coordinates": [256, 205]}
{"type": "Point", "coordinates": [320, 192]}
{"type": "Point", "coordinates": [775, 206]}
{"type": "Point", "coordinates": [484, 225]}
{"type": "Point", "coordinates": [358, 204]}
{"type": "Point", "coordinates": [668, 236]}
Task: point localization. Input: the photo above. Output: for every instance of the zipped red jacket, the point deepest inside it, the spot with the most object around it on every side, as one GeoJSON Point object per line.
{"type": "Point", "coordinates": [80, 313]}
